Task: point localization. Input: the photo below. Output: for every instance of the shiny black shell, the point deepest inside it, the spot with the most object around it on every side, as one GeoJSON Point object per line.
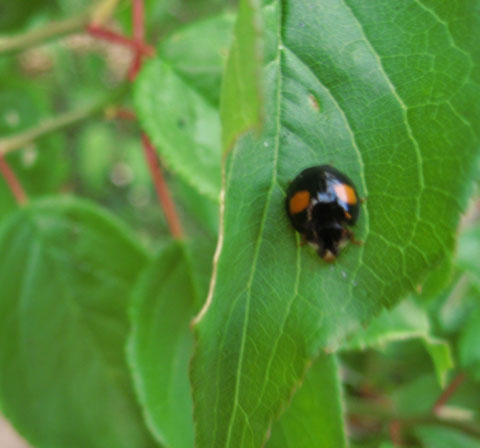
{"type": "Point", "coordinates": [322, 203]}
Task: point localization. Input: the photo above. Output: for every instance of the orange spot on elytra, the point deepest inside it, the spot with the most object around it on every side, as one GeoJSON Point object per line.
{"type": "Point", "coordinates": [345, 193]}
{"type": "Point", "coordinates": [299, 202]}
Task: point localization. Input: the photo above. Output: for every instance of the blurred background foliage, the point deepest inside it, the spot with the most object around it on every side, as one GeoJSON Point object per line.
{"type": "Point", "coordinates": [100, 158]}
{"type": "Point", "coordinates": [390, 372]}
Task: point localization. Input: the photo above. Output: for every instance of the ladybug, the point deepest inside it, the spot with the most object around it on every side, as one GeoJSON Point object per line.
{"type": "Point", "coordinates": [322, 203]}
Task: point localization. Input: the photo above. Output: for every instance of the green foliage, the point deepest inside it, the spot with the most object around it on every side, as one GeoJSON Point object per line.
{"type": "Point", "coordinates": [336, 90]}
{"type": "Point", "coordinates": [42, 166]}
{"type": "Point", "coordinates": [314, 418]}
{"type": "Point", "coordinates": [241, 106]}
{"type": "Point", "coordinates": [176, 98]}
{"type": "Point", "coordinates": [161, 345]}
{"type": "Point", "coordinates": [180, 121]}
{"type": "Point", "coordinates": [405, 321]}
{"type": "Point", "coordinates": [64, 379]}
{"type": "Point", "coordinates": [263, 344]}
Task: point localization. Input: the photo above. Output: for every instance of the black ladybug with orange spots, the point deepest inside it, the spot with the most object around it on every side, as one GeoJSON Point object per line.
{"type": "Point", "coordinates": [322, 203]}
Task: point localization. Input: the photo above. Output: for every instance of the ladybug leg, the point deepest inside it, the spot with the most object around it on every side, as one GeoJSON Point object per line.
{"type": "Point", "coordinates": [354, 241]}
{"type": "Point", "coordinates": [303, 239]}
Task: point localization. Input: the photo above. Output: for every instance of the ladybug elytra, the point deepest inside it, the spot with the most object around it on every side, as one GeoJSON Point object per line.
{"type": "Point", "coordinates": [322, 203]}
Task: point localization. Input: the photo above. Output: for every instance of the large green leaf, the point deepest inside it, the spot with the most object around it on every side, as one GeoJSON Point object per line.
{"type": "Point", "coordinates": [161, 344]}
{"type": "Point", "coordinates": [314, 418]}
{"type": "Point", "coordinates": [179, 112]}
{"type": "Point", "coordinates": [66, 272]}
{"type": "Point", "coordinates": [388, 93]}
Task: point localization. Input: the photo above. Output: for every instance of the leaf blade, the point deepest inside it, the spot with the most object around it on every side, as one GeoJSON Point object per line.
{"type": "Point", "coordinates": [352, 110]}
{"type": "Point", "coordinates": [161, 343]}
{"type": "Point", "coordinates": [315, 416]}
{"type": "Point", "coordinates": [75, 393]}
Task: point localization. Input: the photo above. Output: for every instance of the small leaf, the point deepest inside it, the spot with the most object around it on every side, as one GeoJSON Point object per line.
{"type": "Point", "coordinates": [314, 418]}
{"type": "Point", "coordinates": [405, 321]}
{"type": "Point", "coordinates": [183, 126]}
{"type": "Point", "coordinates": [468, 254]}
{"type": "Point", "coordinates": [66, 272]}
{"type": "Point", "coordinates": [241, 101]}
{"type": "Point", "coordinates": [161, 343]}
{"type": "Point", "coordinates": [469, 346]}
{"type": "Point", "coordinates": [436, 436]}
{"type": "Point", "coordinates": [198, 53]}
{"type": "Point", "coordinates": [178, 110]}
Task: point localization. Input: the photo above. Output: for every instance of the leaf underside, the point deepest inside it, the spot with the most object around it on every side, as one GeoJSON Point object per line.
{"type": "Point", "coordinates": [388, 93]}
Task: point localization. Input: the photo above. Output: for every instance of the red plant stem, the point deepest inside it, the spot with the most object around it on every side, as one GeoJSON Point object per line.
{"type": "Point", "coordinates": [448, 392]}
{"type": "Point", "coordinates": [13, 183]}
{"type": "Point", "coordinates": [161, 187]}
{"type": "Point", "coordinates": [121, 112]}
{"type": "Point", "coordinates": [395, 431]}
{"type": "Point", "coordinates": [138, 35]}
{"type": "Point", "coordinates": [116, 38]}
{"type": "Point", "coordinates": [135, 66]}
{"type": "Point", "coordinates": [138, 20]}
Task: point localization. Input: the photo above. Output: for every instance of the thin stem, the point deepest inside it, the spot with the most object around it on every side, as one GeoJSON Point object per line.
{"type": "Point", "coordinates": [50, 31]}
{"type": "Point", "coordinates": [161, 188]}
{"type": "Point", "coordinates": [448, 392]}
{"type": "Point", "coordinates": [395, 430]}
{"type": "Point", "coordinates": [120, 39]}
{"type": "Point", "coordinates": [138, 20]}
{"type": "Point", "coordinates": [139, 36]}
{"type": "Point", "coordinates": [12, 181]}
{"type": "Point", "coordinates": [135, 66]}
{"type": "Point", "coordinates": [122, 113]}
{"type": "Point", "coordinates": [364, 408]}
{"type": "Point", "coordinates": [56, 123]}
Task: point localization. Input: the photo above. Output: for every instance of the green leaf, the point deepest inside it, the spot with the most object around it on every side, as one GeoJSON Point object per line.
{"type": "Point", "coordinates": [388, 93]}
{"type": "Point", "coordinates": [441, 437]}
{"type": "Point", "coordinates": [469, 346]}
{"type": "Point", "coordinates": [161, 344]}
{"type": "Point", "coordinates": [183, 126]}
{"type": "Point", "coordinates": [314, 418]}
{"type": "Point", "coordinates": [405, 396]}
{"type": "Point", "coordinates": [241, 101]}
{"type": "Point", "coordinates": [178, 109]}
{"type": "Point", "coordinates": [468, 250]}
{"type": "Point", "coordinates": [406, 321]}
{"type": "Point", "coordinates": [198, 53]}
{"type": "Point", "coordinates": [66, 272]}
{"type": "Point", "coordinates": [15, 15]}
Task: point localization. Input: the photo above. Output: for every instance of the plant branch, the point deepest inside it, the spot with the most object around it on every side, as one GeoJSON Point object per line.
{"type": "Point", "coordinates": [120, 39]}
{"type": "Point", "coordinates": [138, 20]}
{"type": "Point", "coordinates": [161, 188]}
{"type": "Point", "coordinates": [37, 36]}
{"type": "Point", "coordinates": [365, 409]}
{"type": "Point", "coordinates": [138, 25]}
{"type": "Point", "coordinates": [12, 181]}
{"type": "Point", "coordinates": [57, 123]}
{"type": "Point", "coordinates": [448, 392]}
